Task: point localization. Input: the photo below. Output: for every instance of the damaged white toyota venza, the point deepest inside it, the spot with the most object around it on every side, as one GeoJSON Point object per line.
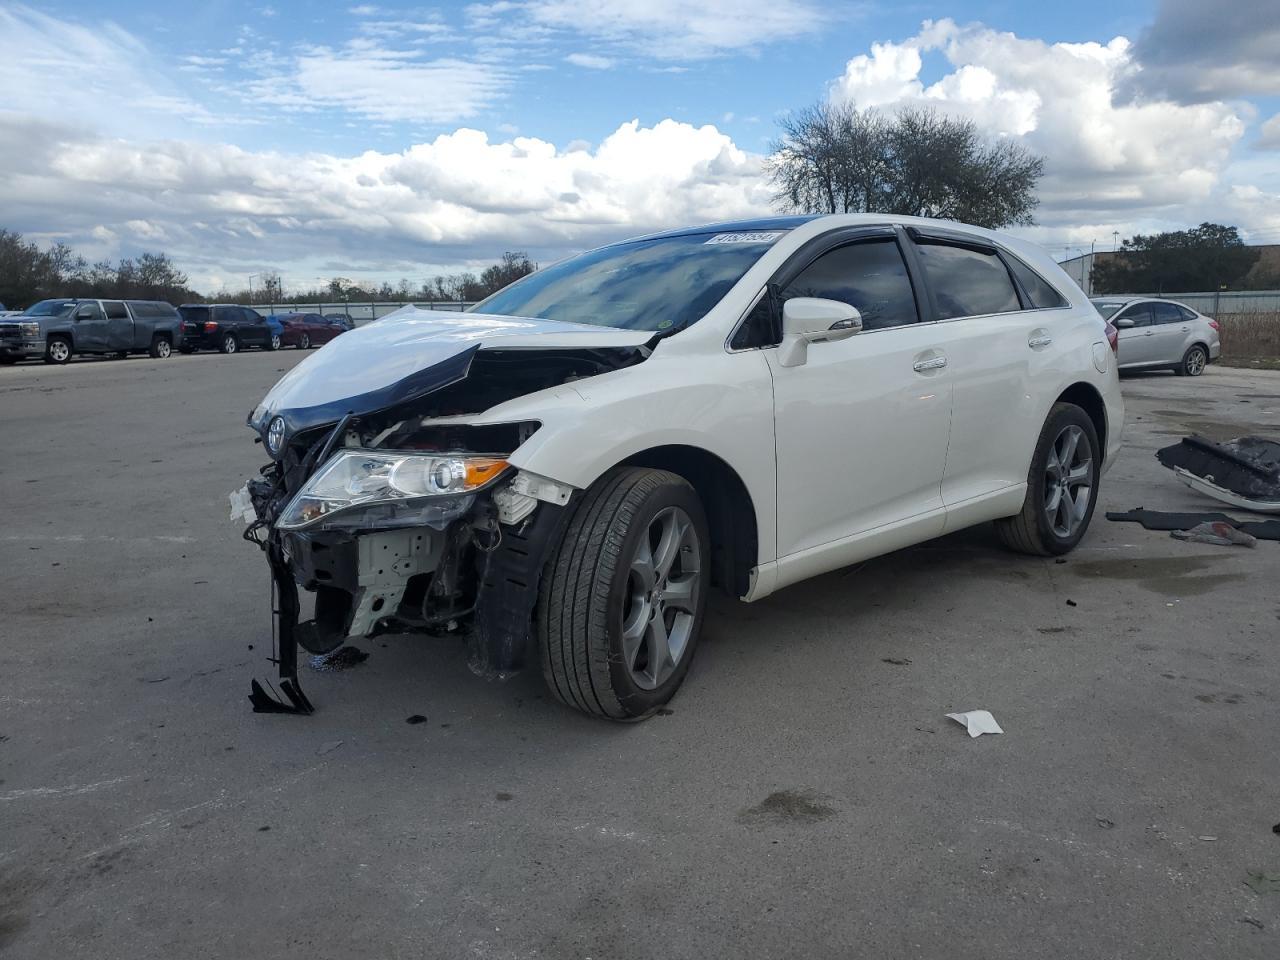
{"type": "Point", "coordinates": [566, 470]}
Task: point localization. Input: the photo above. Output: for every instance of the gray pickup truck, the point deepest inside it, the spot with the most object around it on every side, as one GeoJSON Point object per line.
{"type": "Point", "coordinates": [56, 330]}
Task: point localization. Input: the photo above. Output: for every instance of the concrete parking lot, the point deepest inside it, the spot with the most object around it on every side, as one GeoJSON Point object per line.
{"type": "Point", "coordinates": [805, 797]}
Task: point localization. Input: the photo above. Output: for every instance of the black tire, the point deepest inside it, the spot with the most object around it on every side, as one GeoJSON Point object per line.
{"type": "Point", "coordinates": [1030, 531]}
{"type": "Point", "coordinates": [58, 350]}
{"type": "Point", "coordinates": [229, 343]}
{"type": "Point", "coordinates": [304, 342]}
{"type": "Point", "coordinates": [161, 348]}
{"type": "Point", "coordinates": [122, 354]}
{"type": "Point", "coordinates": [1193, 361]}
{"type": "Point", "coordinates": [587, 586]}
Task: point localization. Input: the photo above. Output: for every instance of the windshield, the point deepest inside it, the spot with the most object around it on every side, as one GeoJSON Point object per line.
{"type": "Point", "coordinates": [660, 284]}
{"type": "Point", "coordinates": [51, 308]}
{"type": "Point", "coordinates": [1108, 307]}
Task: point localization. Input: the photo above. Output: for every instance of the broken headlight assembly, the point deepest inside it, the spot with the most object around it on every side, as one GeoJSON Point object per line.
{"type": "Point", "coordinates": [362, 489]}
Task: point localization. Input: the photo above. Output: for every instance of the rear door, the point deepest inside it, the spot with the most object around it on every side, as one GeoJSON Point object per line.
{"type": "Point", "coordinates": [999, 345]}
{"type": "Point", "coordinates": [119, 325]}
{"type": "Point", "coordinates": [1171, 332]}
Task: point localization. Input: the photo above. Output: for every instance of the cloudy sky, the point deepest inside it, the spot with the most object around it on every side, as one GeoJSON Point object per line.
{"type": "Point", "coordinates": [379, 141]}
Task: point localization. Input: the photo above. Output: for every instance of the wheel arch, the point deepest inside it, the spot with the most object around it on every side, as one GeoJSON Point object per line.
{"type": "Point", "coordinates": [1086, 396]}
{"type": "Point", "coordinates": [731, 513]}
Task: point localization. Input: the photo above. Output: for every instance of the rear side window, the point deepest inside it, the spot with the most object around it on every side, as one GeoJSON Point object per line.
{"type": "Point", "coordinates": [194, 314]}
{"type": "Point", "coordinates": [1187, 312]}
{"type": "Point", "coordinates": [1167, 313]}
{"type": "Point", "coordinates": [967, 282]}
{"type": "Point", "coordinates": [1039, 291]}
{"type": "Point", "coordinates": [870, 275]}
{"type": "Point", "coordinates": [115, 310]}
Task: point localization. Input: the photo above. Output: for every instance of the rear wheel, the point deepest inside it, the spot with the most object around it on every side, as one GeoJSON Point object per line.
{"type": "Point", "coordinates": [304, 342]}
{"type": "Point", "coordinates": [1193, 362]}
{"type": "Point", "coordinates": [1062, 486]}
{"type": "Point", "coordinates": [57, 350]}
{"type": "Point", "coordinates": [229, 344]}
{"type": "Point", "coordinates": [122, 354]}
{"type": "Point", "coordinates": [621, 603]}
{"type": "Point", "coordinates": [161, 348]}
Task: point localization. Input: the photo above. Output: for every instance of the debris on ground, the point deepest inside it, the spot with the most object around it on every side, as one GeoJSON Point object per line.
{"type": "Point", "coordinates": [977, 722]}
{"type": "Point", "coordinates": [1217, 534]}
{"type": "Point", "coordinates": [1263, 882]}
{"type": "Point", "coordinates": [340, 659]}
{"type": "Point", "coordinates": [328, 747]}
{"type": "Point", "coordinates": [1244, 472]}
{"type": "Point", "coordinates": [896, 661]}
{"type": "Point", "coordinates": [1104, 823]}
{"type": "Point", "coordinates": [789, 806]}
{"type": "Point", "coordinates": [1206, 838]}
{"type": "Point", "coordinates": [1072, 603]}
{"type": "Point", "coordinates": [1159, 520]}
{"type": "Point", "coordinates": [416, 718]}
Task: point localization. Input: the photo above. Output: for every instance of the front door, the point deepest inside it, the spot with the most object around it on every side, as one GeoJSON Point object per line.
{"type": "Point", "coordinates": [861, 427]}
{"type": "Point", "coordinates": [1137, 339]}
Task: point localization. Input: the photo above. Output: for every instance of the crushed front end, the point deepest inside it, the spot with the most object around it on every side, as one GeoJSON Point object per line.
{"type": "Point", "coordinates": [407, 518]}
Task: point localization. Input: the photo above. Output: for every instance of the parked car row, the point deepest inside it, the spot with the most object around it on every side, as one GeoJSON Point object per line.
{"type": "Point", "coordinates": [56, 330]}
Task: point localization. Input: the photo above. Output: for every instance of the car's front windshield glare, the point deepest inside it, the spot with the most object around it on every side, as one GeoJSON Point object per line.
{"type": "Point", "coordinates": [662, 284]}
{"type": "Point", "coordinates": [1107, 309]}
{"type": "Point", "coordinates": [51, 308]}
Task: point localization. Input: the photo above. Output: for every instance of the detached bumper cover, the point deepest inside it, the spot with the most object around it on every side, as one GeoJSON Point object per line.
{"type": "Point", "coordinates": [1244, 472]}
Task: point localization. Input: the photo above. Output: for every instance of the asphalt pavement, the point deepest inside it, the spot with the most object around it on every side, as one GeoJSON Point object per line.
{"type": "Point", "coordinates": [804, 797]}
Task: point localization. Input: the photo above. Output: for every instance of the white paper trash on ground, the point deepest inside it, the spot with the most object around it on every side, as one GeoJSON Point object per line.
{"type": "Point", "coordinates": [977, 722]}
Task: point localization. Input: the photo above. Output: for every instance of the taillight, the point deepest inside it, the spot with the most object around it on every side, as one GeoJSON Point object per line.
{"type": "Point", "coordinates": [1214, 324]}
{"type": "Point", "coordinates": [210, 326]}
{"type": "Point", "coordinates": [1113, 337]}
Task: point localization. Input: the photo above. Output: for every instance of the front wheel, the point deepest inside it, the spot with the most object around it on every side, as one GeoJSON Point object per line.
{"type": "Point", "coordinates": [57, 350]}
{"type": "Point", "coordinates": [1193, 362]}
{"type": "Point", "coordinates": [229, 344]}
{"type": "Point", "coordinates": [1062, 486]}
{"type": "Point", "coordinates": [274, 342]}
{"type": "Point", "coordinates": [621, 603]}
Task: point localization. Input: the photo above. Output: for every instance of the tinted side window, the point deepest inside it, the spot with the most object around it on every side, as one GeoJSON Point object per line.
{"type": "Point", "coordinates": [115, 310]}
{"type": "Point", "coordinates": [1040, 291]}
{"type": "Point", "coordinates": [966, 282]}
{"type": "Point", "coordinates": [871, 276]}
{"type": "Point", "coordinates": [1139, 313]}
{"type": "Point", "coordinates": [1187, 312]}
{"type": "Point", "coordinates": [1167, 313]}
{"type": "Point", "coordinates": [250, 316]}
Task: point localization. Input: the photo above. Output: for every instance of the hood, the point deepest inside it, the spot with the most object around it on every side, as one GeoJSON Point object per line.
{"type": "Point", "coordinates": [408, 354]}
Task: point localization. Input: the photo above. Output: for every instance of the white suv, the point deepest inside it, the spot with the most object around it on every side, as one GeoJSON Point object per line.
{"type": "Point", "coordinates": [568, 468]}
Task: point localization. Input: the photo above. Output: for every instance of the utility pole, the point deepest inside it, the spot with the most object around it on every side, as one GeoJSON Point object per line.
{"type": "Point", "coordinates": [1115, 240]}
{"type": "Point", "coordinates": [251, 276]}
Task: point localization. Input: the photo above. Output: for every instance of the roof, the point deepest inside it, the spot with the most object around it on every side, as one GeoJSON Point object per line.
{"type": "Point", "coordinates": [738, 226]}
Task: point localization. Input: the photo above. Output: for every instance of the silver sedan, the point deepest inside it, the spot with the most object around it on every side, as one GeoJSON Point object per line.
{"type": "Point", "coordinates": [1156, 334]}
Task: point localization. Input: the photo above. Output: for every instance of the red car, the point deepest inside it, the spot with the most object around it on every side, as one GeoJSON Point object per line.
{"type": "Point", "coordinates": [305, 330]}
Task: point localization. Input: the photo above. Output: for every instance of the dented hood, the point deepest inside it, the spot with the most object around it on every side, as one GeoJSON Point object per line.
{"type": "Point", "coordinates": [408, 354]}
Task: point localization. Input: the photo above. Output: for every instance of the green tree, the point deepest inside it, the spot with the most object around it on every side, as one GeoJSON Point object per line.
{"type": "Point", "coordinates": [835, 158]}
{"type": "Point", "coordinates": [1208, 257]}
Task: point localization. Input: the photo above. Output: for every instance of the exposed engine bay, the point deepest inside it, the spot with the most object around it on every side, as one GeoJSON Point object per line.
{"type": "Point", "coordinates": [405, 520]}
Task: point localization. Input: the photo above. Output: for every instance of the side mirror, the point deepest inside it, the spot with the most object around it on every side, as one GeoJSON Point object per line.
{"type": "Point", "coordinates": [1124, 323]}
{"type": "Point", "coordinates": [85, 313]}
{"type": "Point", "coordinates": [807, 320]}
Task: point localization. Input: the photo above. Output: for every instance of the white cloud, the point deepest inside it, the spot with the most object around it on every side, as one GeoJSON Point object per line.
{"type": "Point", "coordinates": [667, 29]}
{"type": "Point", "coordinates": [1106, 160]}
{"type": "Point", "coordinates": [459, 197]}
{"type": "Point", "coordinates": [384, 83]}
{"type": "Point", "coordinates": [591, 61]}
{"type": "Point", "coordinates": [1269, 134]}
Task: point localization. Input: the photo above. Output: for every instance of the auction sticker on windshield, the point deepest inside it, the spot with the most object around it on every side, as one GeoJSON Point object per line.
{"type": "Point", "coordinates": [767, 237]}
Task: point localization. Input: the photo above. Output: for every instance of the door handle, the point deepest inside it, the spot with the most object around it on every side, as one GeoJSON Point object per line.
{"type": "Point", "coordinates": [1040, 341]}
{"type": "Point", "coordinates": [933, 363]}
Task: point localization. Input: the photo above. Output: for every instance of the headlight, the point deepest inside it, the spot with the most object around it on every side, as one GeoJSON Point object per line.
{"type": "Point", "coordinates": [29, 329]}
{"type": "Point", "coordinates": [399, 489]}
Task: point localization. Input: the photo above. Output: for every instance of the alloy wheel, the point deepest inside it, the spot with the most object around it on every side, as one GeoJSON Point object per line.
{"type": "Point", "coordinates": [659, 609]}
{"type": "Point", "coordinates": [1195, 362]}
{"type": "Point", "coordinates": [229, 345]}
{"type": "Point", "coordinates": [59, 350]}
{"type": "Point", "coordinates": [1068, 481]}
{"type": "Point", "coordinates": [275, 341]}
{"type": "Point", "coordinates": [163, 349]}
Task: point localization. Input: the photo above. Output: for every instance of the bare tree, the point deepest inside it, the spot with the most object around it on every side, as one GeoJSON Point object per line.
{"type": "Point", "coordinates": [834, 158]}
